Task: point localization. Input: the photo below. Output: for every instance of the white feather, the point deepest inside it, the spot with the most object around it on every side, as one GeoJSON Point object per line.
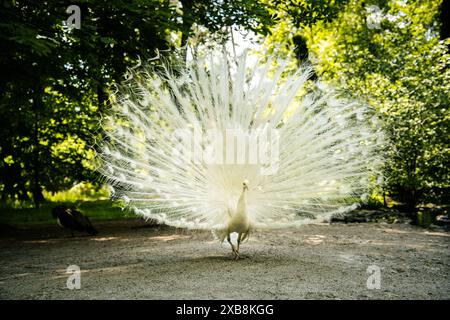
{"type": "Point", "coordinates": [327, 149]}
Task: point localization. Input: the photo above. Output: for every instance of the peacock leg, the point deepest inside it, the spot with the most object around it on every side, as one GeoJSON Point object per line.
{"type": "Point", "coordinates": [245, 235]}
{"type": "Point", "coordinates": [232, 246]}
{"type": "Point", "coordinates": [239, 239]}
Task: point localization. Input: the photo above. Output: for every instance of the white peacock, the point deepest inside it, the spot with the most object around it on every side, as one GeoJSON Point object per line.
{"type": "Point", "coordinates": [237, 148]}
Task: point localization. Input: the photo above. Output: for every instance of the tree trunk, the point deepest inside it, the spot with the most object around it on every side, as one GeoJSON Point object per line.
{"type": "Point", "coordinates": [36, 188]}
{"type": "Point", "coordinates": [412, 202]}
{"type": "Point", "coordinates": [102, 98]}
{"type": "Point", "coordinates": [444, 18]}
{"type": "Point", "coordinates": [187, 24]}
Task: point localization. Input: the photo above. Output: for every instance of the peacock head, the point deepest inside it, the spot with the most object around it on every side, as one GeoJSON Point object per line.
{"type": "Point", "coordinates": [245, 185]}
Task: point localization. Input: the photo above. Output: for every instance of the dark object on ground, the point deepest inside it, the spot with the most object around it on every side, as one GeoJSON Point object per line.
{"type": "Point", "coordinates": [6, 229]}
{"type": "Point", "coordinates": [73, 219]}
{"type": "Point", "coordinates": [442, 220]}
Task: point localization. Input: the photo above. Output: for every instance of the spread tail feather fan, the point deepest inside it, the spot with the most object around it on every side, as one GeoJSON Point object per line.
{"type": "Point", "coordinates": [179, 145]}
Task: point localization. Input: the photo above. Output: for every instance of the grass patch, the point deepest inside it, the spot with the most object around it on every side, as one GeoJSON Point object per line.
{"type": "Point", "coordinates": [95, 210]}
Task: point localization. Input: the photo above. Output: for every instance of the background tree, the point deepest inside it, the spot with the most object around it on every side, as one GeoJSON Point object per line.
{"type": "Point", "coordinates": [55, 82]}
{"type": "Point", "coordinates": [292, 17]}
{"type": "Point", "coordinates": [402, 69]}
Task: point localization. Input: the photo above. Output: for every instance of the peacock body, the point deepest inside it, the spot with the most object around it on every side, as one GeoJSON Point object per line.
{"type": "Point", "coordinates": [231, 148]}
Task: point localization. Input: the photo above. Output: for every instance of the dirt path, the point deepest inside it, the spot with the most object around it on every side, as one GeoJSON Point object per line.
{"type": "Point", "coordinates": [126, 261]}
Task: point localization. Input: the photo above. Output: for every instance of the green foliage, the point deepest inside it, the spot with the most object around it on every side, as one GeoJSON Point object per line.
{"type": "Point", "coordinates": [215, 17]}
{"type": "Point", "coordinates": [55, 82]}
{"type": "Point", "coordinates": [402, 69]}
{"type": "Point", "coordinates": [95, 210]}
{"type": "Point", "coordinates": [304, 13]}
{"type": "Point", "coordinates": [84, 191]}
{"type": "Point", "coordinates": [292, 17]}
{"type": "Point", "coordinates": [35, 117]}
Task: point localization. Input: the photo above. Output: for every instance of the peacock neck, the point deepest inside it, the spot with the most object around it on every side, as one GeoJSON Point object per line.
{"type": "Point", "coordinates": [242, 203]}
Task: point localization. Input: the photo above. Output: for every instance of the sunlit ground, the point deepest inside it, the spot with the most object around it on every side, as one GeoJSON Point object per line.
{"type": "Point", "coordinates": [129, 260]}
